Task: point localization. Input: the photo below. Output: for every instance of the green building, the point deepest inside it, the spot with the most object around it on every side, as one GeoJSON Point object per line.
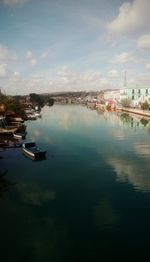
{"type": "Point", "coordinates": [138, 94]}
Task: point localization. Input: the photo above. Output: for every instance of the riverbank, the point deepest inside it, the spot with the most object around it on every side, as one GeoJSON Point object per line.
{"type": "Point", "coordinates": [136, 111]}
{"type": "Point", "coordinates": [102, 107]}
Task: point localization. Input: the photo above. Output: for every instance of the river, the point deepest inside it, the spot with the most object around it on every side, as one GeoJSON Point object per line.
{"type": "Point", "coordinates": [89, 200]}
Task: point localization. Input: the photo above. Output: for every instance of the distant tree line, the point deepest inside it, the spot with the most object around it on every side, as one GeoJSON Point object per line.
{"type": "Point", "coordinates": [41, 100]}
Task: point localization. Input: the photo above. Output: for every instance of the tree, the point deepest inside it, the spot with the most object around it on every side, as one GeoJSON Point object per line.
{"type": "Point", "coordinates": [126, 102]}
{"type": "Point", "coordinates": [145, 105]}
{"type": "Point", "coordinates": [37, 99]}
{"type": "Point", "coordinates": [12, 106]}
{"type": "Point", "coordinates": [48, 100]}
{"type": "Point", "coordinates": [41, 100]}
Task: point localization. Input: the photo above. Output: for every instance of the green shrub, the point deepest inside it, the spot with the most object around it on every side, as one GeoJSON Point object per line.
{"type": "Point", "coordinates": [145, 105]}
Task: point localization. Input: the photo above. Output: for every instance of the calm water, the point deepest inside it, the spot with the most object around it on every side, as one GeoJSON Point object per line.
{"type": "Point", "coordinates": [89, 200]}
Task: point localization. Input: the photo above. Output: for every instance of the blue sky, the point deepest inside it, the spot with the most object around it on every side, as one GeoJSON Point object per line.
{"type": "Point", "coordinates": [70, 45]}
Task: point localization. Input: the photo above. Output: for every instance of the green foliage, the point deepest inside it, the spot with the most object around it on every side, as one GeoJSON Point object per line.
{"type": "Point", "coordinates": [41, 100]}
{"type": "Point", "coordinates": [2, 97]}
{"type": "Point", "coordinates": [125, 117]}
{"type": "Point", "coordinates": [144, 122]}
{"type": "Point", "coordinates": [49, 101]}
{"type": "Point", "coordinates": [145, 105]}
{"type": "Point", "coordinates": [126, 102]}
{"type": "Point", "coordinates": [37, 99]}
{"type": "Point", "coordinates": [12, 106]}
{"type": "Point", "coordinates": [108, 107]}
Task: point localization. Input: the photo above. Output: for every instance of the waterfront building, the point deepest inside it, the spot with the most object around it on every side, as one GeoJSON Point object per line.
{"type": "Point", "coordinates": [137, 94]}
{"type": "Point", "coordinates": [111, 98]}
{"type": "Point", "coordinates": [112, 94]}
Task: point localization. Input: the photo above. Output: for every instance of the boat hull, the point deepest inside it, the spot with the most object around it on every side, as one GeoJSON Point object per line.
{"type": "Point", "coordinates": [19, 136]}
{"type": "Point", "coordinates": [37, 155]}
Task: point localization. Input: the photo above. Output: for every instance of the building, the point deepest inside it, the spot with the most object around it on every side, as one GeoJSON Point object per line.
{"type": "Point", "coordinates": [138, 94]}
{"type": "Point", "coordinates": [112, 94]}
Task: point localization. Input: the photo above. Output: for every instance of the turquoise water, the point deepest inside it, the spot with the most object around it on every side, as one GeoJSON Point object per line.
{"type": "Point", "coordinates": [89, 200]}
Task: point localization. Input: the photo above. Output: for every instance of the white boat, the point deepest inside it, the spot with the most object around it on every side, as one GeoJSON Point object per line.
{"type": "Point", "coordinates": [33, 151]}
{"type": "Point", "coordinates": [37, 114]}
{"type": "Point", "coordinates": [19, 135]}
{"type": "Point", "coordinates": [31, 116]}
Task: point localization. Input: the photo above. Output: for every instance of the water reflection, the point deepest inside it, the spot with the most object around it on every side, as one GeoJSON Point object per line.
{"type": "Point", "coordinates": [126, 149]}
{"type": "Point", "coordinates": [4, 183]}
{"type": "Point", "coordinates": [34, 194]}
{"type": "Point", "coordinates": [132, 171]}
{"type": "Point", "coordinates": [85, 202]}
{"type": "Point", "coordinates": [31, 234]}
{"type": "Point", "coordinates": [142, 149]}
{"type": "Point", "coordinates": [66, 117]}
{"type": "Point", "coordinates": [106, 216]}
{"type": "Point", "coordinates": [130, 156]}
{"type": "Point", "coordinates": [49, 240]}
{"type": "Point", "coordinates": [144, 121]}
{"type": "Point", "coordinates": [134, 121]}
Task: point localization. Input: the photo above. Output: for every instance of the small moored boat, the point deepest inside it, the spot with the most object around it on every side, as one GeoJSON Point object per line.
{"type": "Point", "coordinates": [19, 135]}
{"type": "Point", "coordinates": [31, 150]}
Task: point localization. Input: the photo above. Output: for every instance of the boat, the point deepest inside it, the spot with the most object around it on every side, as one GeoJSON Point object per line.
{"type": "Point", "coordinates": [8, 131]}
{"type": "Point", "coordinates": [5, 128]}
{"type": "Point", "coordinates": [19, 135]}
{"type": "Point", "coordinates": [37, 114]}
{"type": "Point", "coordinates": [31, 150]}
{"type": "Point", "coordinates": [31, 116]}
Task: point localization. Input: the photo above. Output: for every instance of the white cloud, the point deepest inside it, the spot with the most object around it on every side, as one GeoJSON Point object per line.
{"type": "Point", "coordinates": [29, 55]}
{"type": "Point", "coordinates": [6, 55]}
{"type": "Point", "coordinates": [147, 66]}
{"type": "Point", "coordinates": [67, 79]}
{"type": "Point", "coordinates": [3, 70]}
{"type": "Point", "coordinates": [33, 62]}
{"type": "Point", "coordinates": [9, 74]}
{"type": "Point", "coordinates": [144, 42]}
{"type": "Point", "coordinates": [123, 58]}
{"type": "Point", "coordinates": [15, 78]}
{"type": "Point", "coordinates": [45, 54]}
{"type": "Point", "coordinates": [139, 79]}
{"type": "Point", "coordinates": [132, 17]}
{"type": "Point", "coordinates": [16, 74]}
{"type": "Point", "coordinates": [113, 73]}
{"type": "Point", "coordinates": [74, 80]}
{"type": "Point", "coordinates": [13, 2]}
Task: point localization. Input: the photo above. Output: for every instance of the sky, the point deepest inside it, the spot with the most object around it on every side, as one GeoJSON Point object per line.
{"type": "Point", "coordinates": [73, 45]}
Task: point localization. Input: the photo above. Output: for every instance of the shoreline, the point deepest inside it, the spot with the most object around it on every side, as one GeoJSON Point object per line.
{"type": "Point", "coordinates": [136, 111]}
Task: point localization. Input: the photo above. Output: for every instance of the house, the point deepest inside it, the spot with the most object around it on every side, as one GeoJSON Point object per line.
{"type": "Point", "coordinates": [112, 94]}
{"type": "Point", "coordinates": [138, 94]}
